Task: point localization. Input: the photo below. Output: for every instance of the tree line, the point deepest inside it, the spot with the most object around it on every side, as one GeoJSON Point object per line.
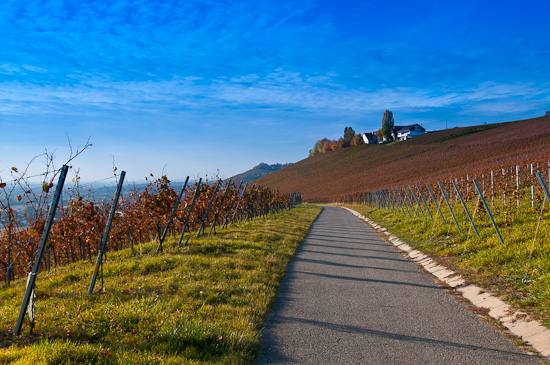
{"type": "Point", "coordinates": [349, 139]}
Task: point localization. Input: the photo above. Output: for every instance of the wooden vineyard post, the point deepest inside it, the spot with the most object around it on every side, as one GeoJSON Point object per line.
{"type": "Point", "coordinates": [241, 197]}
{"type": "Point", "coordinates": [390, 202]}
{"type": "Point", "coordinates": [383, 202]}
{"type": "Point", "coordinates": [424, 200]}
{"type": "Point", "coordinates": [257, 203]}
{"type": "Point", "coordinates": [410, 201]}
{"type": "Point", "coordinates": [376, 200]}
{"type": "Point", "coordinates": [215, 221]}
{"type": "Point", "coordinates": [395, 202]}
{"type": "Point", "coordinates": [247, 207]}
{"type": "Point", "coordinates": [205, 218]}
{"type": "Point", "coordinates": [245, 211]}
{"type": "Point", "coordinates": [465, 208]}
{"type": "Point", "coordinates": [381, 199]}
{"type": "Point", "coordinates": [404, 201]}
{"type": "Point", "coordinates": [387, 204]}
{"type": "Point", "coordinates": [161, 239]}
{"type": "Point", "coordinates": [398, 202]}
{"type": "Point", "coordinates": [449, 206]}
{"type": "Point", "coordinates": [504, 190]}
{"type": "Point", "coordinates": [492, 190]}
{"type": "Point", "coordinates": [197, 190]}
{"type": "Point", "coordinates": [417, 202]}
{"type": "Point", "coordinates": [532, 189]}
{"type": "Point", "coordinates": [387, 199]}
{"type": "Point", "coordinates": [103, 245]}
{"type": "Point", "coordinates": [436, 204]}
{"type": "Point", "coordinates": [517, 184]}
{"type": "Point", "coordinates": [237, 193]}
{"type": "Point", "coordinates": [42, 245]}
{"type": "Point", "coordinates": [544, 187]}
{"type": "Point", "coordinates": [400, 208]}
{"type": "Point", "coordinates": [488, 211]}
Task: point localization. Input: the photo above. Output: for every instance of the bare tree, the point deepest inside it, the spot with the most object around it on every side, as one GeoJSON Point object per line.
{"type": "Point", "coordinates": [29, 222]}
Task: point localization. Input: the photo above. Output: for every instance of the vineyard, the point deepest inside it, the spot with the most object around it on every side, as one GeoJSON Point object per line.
{"type": "Point", "coordinates": [140, 216]}
{"type": "Point", "coordinates": [492, 224]}
{"type": "Point", "coordinates": [474, 197]}
{"type": "Point", "coordinates": [439, 155]}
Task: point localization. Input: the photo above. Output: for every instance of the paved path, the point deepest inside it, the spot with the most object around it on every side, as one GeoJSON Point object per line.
{"type": "Point", "coordinates": [350, 298]}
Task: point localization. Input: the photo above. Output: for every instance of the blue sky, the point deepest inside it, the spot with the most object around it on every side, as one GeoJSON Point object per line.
{"type": "Point", "coordinates": [190, 87]}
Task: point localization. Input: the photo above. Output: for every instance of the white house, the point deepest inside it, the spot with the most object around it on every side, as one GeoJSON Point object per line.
{"type": "Point", "coordinates": [369, 138]}
{"type": "Point", "coordinates": [402, 133]}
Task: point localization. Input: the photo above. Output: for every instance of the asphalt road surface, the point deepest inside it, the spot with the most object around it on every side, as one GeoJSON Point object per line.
{"type": "Point", "coordinates": [350, 298]}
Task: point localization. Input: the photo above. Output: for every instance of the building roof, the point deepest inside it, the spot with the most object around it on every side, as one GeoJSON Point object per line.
{"type": "Point", "coordinates": [406, 128]}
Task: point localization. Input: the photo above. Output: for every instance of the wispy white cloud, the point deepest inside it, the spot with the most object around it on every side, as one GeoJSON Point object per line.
{"type": "Point", "coordinates": [277, 90]}
{"type": "Point", "coordinates": [266, 65]}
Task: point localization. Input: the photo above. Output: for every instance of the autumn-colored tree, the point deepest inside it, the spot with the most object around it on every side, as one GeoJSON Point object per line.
{"type": "Point", "coordinates": [318, 148]}
{"type": "Point", "coordinates": [349, 133]}
{"type": "Point", "coordinates": [338, 144]}
{"type": "Point", "coordinates": [324, 145]}
{"type": "Point", "coordinates": [386, 132]}
{"type": "Point", "coordinates": [327, 146]}
{"type": "Point", "coordinates": [357, 140]}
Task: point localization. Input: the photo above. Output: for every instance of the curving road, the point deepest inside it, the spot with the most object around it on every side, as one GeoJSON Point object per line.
{"type": "Point", "coordinates": [350, 298]}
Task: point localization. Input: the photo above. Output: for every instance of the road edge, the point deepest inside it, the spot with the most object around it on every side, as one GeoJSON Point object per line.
{"type": "Point", "coordinates": [518, 323]}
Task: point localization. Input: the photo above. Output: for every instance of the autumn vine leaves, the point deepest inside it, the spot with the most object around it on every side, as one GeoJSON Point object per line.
{"type": "Point", "coordinates": [142, 215]}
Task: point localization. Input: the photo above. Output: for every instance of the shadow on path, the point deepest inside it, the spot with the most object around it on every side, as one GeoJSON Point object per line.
{"type": "Point", "coordinates": [330, 263]}
{"type": "Point", "coordinates": [339, 277]}
{"type": "Point", "coordinates": [394, 336]}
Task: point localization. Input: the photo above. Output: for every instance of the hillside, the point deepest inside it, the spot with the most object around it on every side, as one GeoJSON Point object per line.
{"type": "Point", "coordinates": [428, 157]}
{"type": "Point", "coordinates": [258, 171]}
{"type": "Point", "coordinates": [203, 303]}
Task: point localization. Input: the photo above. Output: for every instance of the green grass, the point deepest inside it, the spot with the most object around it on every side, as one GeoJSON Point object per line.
{"type": "Point", "coordinates": [204, 303]}
{"type": "Point", "coordinates": [484, 260]}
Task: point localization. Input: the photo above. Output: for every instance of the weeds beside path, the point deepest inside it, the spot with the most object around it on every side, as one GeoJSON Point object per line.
{"type": "Point", "coordinates": [202, 303]}
{"type": "Point", "coordinates": [483, 261]}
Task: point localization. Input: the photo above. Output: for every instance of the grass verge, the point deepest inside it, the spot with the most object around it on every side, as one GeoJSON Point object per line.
{"type": "Point", "coordinates": [204, 303]}
{"type": "Point", "coordinates": [500, 268]}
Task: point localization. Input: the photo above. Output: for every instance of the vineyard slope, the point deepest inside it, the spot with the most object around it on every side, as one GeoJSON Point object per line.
{"type": "Point", "coordinates": [436, 155]}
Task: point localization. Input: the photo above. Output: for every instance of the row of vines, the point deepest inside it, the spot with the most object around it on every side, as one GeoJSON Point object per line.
{"type": "Point", "coordinates": [505, 210]}
{"type": "Point", "coordinates": [142, 215]}
{"type": "Point", "coordinates": [509, 190]}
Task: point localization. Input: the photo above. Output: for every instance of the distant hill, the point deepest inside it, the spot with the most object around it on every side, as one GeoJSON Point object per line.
{"type": "Point", "coordinates": [259, 171]}
{"type": "Point", "coordinates": [426, 158]}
